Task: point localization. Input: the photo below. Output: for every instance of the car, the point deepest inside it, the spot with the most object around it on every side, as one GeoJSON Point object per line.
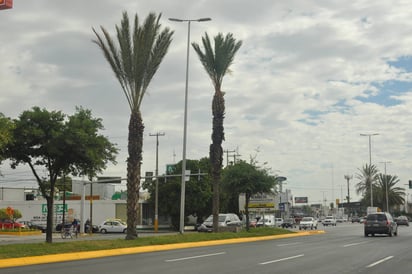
{"type": "Point", "coordinates": [355, 219]}
{"type": "Point", "coordinates": [27, 224]}
{"type": "Point", "coordinates": [308, 223]}
{"type": "Point", "coordinates": [329, 220]}
{"type": "Point", "coordinates": [9, 224]}
{"type": "Point", "coordinates": [380, 223]}
{"type": "Point", "coordinates": [225, 220]}
{"type": "Point", "coordinates": [270, 221]}
{"type": "Point", "coordinates": [402, 220]}
{"type": "Point", "coordinates": [110, 226]}
{"type": "Point", "coordinates": [67, 225]}
{"type": "Point", "coordinates": [39, 226]}
{"type": "Point", "coordinates": [289, 223]}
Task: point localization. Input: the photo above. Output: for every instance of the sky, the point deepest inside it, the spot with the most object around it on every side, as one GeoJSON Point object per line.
{"type": "Point", "coordinates": [310, 78]}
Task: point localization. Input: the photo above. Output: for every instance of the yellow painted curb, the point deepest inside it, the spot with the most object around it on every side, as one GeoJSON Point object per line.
{"type": "Point", "coordinates": [142, 249]}
{"type": "Point", "coordinates": [21, 233]}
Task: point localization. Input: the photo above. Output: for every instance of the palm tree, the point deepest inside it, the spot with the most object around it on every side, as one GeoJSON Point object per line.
{"type": "Point", "coordinates": [134, 64]}
{"type": "Point", "coordinates": [368, 176]}
{"type": "Point", "coordinates": [216, 62]}
{"type": "Point", "coordinates": [395, 194]}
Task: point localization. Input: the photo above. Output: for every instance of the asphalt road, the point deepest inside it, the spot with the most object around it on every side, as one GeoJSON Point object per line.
{"type": "Point", "coordinates": [342, 249]}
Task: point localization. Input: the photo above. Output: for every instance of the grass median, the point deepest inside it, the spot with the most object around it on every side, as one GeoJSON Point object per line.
{"type": "Point", "coordinates": [39, 249]}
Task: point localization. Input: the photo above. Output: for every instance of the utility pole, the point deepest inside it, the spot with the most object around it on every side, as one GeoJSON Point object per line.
{"type": "Point", "coordinates": [348, 177]}
{"type": "Point", "coordinates": [386, 186]}
{"type": "Point", "coordinates": [227, 155]}
{"type": "Point", "coordinates": [156, 220]}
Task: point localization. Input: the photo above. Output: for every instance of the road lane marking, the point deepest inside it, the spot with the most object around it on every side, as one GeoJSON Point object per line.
{"type": "Point", "coordinates": [283, 259]}
{"type": "Point", "coordinates": [380, 261]}
{"type": "Point", "coordinates": [195, 257]}
{"type": "Point", "coordinates": [355, 244]}
{"type": "Point", "coordinates": [296, 243]}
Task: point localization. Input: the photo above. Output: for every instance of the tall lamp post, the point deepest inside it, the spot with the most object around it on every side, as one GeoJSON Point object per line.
{"type": "Point", "coordinates": [183, 190]}
{"type": "Point", "coordinates": [370, 159]}
{"type": "Point", "coordinates": [386, 187]}
{"type": "Point", "coordinates": [156, 219]}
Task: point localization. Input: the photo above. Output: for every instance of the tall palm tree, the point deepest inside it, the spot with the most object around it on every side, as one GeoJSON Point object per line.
{"type": "Point", "coordinates": [368, 176]}
{"type": "Point", "coordinates": [216, 61]}
{"type": "Point", "coordinates": [395, 194]}
{"type": "Point", "coordinates": [134, 62]}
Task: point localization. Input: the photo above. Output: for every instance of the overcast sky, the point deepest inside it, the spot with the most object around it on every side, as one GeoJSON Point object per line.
{"type": "Point", "coordinates": [310, 77]}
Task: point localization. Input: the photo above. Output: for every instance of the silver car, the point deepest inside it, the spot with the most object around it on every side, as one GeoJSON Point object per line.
{"type": "Point", "coordinates": [225, 220]}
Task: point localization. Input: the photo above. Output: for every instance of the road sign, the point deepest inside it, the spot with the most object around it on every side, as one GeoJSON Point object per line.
{"type": "Point", "coordinates": [58, 208]}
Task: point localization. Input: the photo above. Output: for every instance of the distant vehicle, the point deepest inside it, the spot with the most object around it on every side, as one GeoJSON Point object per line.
{"type": "Point", "coordinates": [355, 219]}
{"type": "Point", "coordinates": [27, 224]}
{"type": "Point", "coordinates": [9, 224]}
{"type": "Point", "coordinates": [402, 220]}
{"type": "Point", "coordinates": [113, 226]}
{"type": "Point", "coordinates": [329, 220]}
{"type": "Point", "coordinates": [225, 220]}
{"type": "Point", "coordinates": [308, 223]}
{"type": "Point", "coordinates": [289, 223]}
{"type": "Point", "coordinates": [39, 226]}
{"type": "Point", "coordinates": [380, 223]}
{"type": "Point", "coordinates": [270, 221]}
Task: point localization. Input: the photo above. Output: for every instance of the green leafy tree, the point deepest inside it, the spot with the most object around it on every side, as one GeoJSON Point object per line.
{"type": "Point", "coordinates": [395, 194]}
{"type": "Point", "coordinates": [367, 177]}
{"type": "Point", "coordinates": [134, 62]}
{"type": "Point", "coordinates": [6, 125]}
{"type": "Point", "coordinates": [243, 177]}
{"type": "Point", "coordinates": [198, 192]}
{"type": "Point", "coordinates": [52, 145]}
{"type": "Point", "coordinates": [216, 61]}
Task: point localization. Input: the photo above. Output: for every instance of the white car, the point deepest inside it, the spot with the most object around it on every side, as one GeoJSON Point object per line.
{"type": "Point", "coordinates": [308, 223]}
{"type": "Point", "coordinates": [112, 226]}
{"type": "Point", "coordinates": [329, 220]}
{"type": "Point", "coordinates": [270, 221]}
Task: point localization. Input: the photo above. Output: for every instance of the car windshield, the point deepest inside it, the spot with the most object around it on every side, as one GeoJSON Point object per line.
{"type": "Point", "coordinates": [376, 217]}
{"type": "Point", "coordinates": [307, 219]}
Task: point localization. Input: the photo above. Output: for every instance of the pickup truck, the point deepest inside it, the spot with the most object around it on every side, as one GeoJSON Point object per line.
{"type": "Point", "coordinates": [329, 220]}
{"type": "Point", "coordinates": [308, 223]}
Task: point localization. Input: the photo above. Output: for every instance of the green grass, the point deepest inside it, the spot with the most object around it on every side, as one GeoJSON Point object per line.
{"type": "Point", "coordinates": [37, 249]}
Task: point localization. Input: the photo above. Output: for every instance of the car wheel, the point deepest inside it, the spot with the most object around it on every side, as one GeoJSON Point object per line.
{"type": "Point", "coordinates": [103, 231]}
{"type": "Point", "coordinates": [366, 234]}
{"type": "Point", "coordinates": [124, 230]}
{"type": "Point", "coordinates": [396, 232]}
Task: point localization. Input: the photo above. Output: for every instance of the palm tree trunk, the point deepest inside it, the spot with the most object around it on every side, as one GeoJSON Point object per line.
{"type": "Point", "coordinates": [135, 145]}
{"type": "Point", "coordinates": [216, 151]}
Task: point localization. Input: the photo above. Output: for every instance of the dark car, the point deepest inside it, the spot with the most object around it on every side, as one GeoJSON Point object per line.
{"type": "Point", "coordinates": [356, 219]}
{"type": "Point", "coordinates": [402, 220]}
{"type": "Point", "coordinates": [39, 226]}
{"type": "Point", "coordinates": [289, 223]}
{"type": "Point", "coordinates": [66, 225]}
{"type": "Point", "coordinates": [380, 223]}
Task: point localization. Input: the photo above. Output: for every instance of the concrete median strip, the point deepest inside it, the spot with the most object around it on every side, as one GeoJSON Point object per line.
{"type": "Point", "coordinates": [13, 262]}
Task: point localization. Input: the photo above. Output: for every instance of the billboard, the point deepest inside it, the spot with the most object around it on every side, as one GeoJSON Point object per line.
{"type": "Point", "coordinates": [6, 4]}
{"type": "Point", "coordinates": [301, 200]}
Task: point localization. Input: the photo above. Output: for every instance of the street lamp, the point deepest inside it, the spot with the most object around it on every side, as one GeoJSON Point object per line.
{"type": "Point", "coordinates": [156, 219]}
{"type": "Point", "coordinates": [183, 190]}
{"type": "Point", "coordinates": [370, 159]}
{"type": "Point", "coordinates": [386, 187]}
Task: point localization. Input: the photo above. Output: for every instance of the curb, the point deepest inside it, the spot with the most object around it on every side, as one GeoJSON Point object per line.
{"type": "Point", "coordinates": [13, 262]}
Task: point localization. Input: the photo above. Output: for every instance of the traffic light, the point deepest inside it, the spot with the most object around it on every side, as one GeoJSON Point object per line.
{"type": "Point", "coordinates": [410, 184]}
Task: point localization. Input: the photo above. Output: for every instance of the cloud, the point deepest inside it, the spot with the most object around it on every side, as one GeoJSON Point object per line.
{"type": "Point", "coordinates": [308, 79]}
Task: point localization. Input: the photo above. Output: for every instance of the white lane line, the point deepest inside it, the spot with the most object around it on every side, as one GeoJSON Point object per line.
{"type": "Point", "coordinates": [296, 243]}
{"type": "Point", "coordinates": [283, 259]}
{"type": "Point", "coordinates": [380, 261]}
{"type": "Point", "coordinates": [355, 244]}
{"type": "Point", "coordinates": [195, 257]}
